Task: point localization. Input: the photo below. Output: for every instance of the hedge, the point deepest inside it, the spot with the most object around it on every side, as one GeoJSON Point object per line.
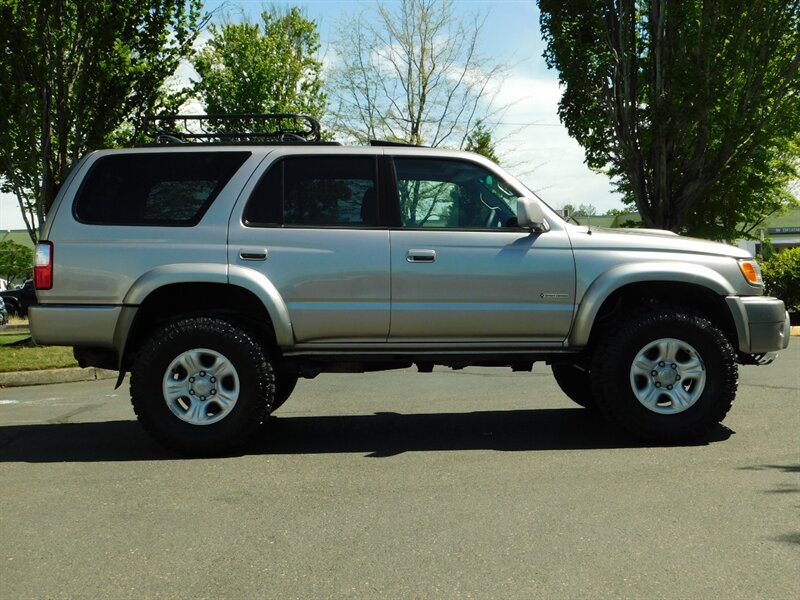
{"type": "Point", "coordinates": [782, 277]}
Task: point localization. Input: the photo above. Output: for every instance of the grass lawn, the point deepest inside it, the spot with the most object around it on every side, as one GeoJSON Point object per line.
{"type": "Point", "coordinates": [10, 338]}
{"type": "Point", "coordinates": [32, 358]}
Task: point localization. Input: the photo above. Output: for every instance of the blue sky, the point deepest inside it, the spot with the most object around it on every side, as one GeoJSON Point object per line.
{"type": "Point", "coordinates": [540, 153]}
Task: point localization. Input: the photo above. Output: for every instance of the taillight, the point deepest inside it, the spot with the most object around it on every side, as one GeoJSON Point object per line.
{"type": "Point", "coordinates": [43, 266]}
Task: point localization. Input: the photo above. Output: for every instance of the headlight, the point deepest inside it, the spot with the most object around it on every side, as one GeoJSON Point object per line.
{"type": "Point", "coordinates": [751, 272]}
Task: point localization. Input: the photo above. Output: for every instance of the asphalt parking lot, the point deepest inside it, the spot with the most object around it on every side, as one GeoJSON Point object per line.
{"type": "Point", "coordinates": [472, 484]}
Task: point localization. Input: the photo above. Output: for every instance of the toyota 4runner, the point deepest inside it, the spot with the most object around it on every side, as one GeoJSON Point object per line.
{"type": "Point", "coordinates": [219, 273]}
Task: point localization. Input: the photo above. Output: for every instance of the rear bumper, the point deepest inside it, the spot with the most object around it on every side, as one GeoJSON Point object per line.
{"type": "Point", "coordinates": [762, 323]}
{"type": "Point", "coordinates": [65, 325]}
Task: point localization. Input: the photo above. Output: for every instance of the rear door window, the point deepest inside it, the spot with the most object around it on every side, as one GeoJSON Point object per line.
{"type": "Point", "coordinates": [169, 188]}
{"type": "Point", "coordinates": [316, 191]}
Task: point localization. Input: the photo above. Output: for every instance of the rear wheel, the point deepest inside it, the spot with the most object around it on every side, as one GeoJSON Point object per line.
{"type": "Point", "coordinates": [576, 383]}
{"type": "Point", "coordinates": [666, 376]}
{"type": "Point", "coordinates": [201, 385]}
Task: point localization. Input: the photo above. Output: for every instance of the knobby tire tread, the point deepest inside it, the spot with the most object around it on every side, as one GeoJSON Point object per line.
{"type": "Point", "coordinates": [147, 374]}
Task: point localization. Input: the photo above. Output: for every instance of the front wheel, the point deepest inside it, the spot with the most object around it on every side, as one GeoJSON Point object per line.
{"type": "Point", "coordinates": [666, 376]}
{"type": "Point", "coordinates": [201, 385]}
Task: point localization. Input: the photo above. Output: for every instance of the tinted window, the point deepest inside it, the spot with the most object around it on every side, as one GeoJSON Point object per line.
{"type": "Point", "coordinates": [316, 191]}
{"type": "Point", "coordinates": [449, 193]}
{"type": "Point", "coordinates": [169, 188]}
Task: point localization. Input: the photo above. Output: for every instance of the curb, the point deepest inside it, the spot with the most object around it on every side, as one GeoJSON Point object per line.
{"type": "Point", "coordinates": [14, 329]}
{"type": "Point", "coordinates": [48, 376]}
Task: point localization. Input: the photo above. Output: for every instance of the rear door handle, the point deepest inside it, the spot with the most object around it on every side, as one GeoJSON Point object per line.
{"type": "Point", "coordinates": [253, 253]}
{"type": "Point", "coordinates": [421, 256]}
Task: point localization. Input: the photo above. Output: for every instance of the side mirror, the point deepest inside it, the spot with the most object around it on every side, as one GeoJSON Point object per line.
{"type": "Point", "coordinates": [530, 214]}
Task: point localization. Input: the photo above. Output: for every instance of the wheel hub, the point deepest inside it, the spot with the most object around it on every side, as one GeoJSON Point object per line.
{"type": "Point", "coordinates": [667, 376]}
{"type": "Point", "coordinates": [201, 386]}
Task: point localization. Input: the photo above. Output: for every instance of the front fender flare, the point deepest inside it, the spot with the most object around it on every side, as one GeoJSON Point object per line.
{"type": "Point", "coordinates": [623, 275]}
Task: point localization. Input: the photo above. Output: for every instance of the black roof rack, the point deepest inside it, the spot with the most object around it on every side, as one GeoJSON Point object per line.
{"type": "Point", "coordinates": [233, 129]}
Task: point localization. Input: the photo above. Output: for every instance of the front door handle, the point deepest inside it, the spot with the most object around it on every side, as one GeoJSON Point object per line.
{"type": "Point", "coordinates": [253, 253]}
{"type": "Point", "coordinates": [421, 256]}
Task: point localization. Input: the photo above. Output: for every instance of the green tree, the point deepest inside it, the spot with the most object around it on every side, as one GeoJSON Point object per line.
{"type": "Point", "coordinates": [410, 72]}
{"type": "Point", "coordinates": [16, 261]}
{"type": "Point", "coordinates": [691, 107]}
{"type": "Point", "coordinates": [480, 142]}
{"type": "Point", "coordinates": [271, 68]}
{"type": "Point", "coordinates": [585, 210]}
{"type": "Point", "coordinates": [73, 72]}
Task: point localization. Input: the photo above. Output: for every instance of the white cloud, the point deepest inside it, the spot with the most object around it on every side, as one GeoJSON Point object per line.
{"type": "Point", "coordinates": [10, 216]}
{"type": "Point", "coordinates": [534, 146]}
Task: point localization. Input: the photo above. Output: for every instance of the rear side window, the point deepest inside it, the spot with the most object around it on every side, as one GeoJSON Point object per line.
{"type": "Point", "coordinates": [316, 191]}
{"type": "Point", "coordinates": [169, 188]}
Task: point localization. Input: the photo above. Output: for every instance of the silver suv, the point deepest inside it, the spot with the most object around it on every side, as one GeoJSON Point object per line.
{"type": "Point", "coordinates": [220, 273]}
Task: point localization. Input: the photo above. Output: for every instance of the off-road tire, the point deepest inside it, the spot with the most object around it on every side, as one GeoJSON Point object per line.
{"type": "Point", "coordinates": [576, 383]}
{"type": "Point", "coordinates": [254, 385]}
{"type": "Point", "coordinates": [614, 374]}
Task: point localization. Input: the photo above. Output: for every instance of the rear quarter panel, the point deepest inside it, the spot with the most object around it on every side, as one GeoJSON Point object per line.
{"type": "Point", "coordinates": [98, 264]}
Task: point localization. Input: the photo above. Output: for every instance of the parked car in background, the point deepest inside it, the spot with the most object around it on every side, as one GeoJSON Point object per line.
{"type": "Point", "coordinates": [18, 300]}
{"type": "Point", "coordinates": [3, 314]}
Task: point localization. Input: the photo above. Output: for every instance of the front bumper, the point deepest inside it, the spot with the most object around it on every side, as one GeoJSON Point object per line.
{"type": "Point", "coordinates": [762, 324]}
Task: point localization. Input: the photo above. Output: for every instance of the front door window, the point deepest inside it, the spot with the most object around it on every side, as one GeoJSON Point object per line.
{"type": "Point", "coordinates": [452, 194]}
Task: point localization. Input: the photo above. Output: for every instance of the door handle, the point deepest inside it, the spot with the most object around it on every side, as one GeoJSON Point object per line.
{"type": "Point", "coordinates": [253, 253]}
{"type": "Point", "coordinates": [421, 256]}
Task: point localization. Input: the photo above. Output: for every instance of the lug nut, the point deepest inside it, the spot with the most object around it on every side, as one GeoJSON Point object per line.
{"type": "Point", "coordinates": [658, 385]}
{"type": "Point", "coordinates": [654, 373]}
{"type": "Point", "coordinates": [213, 380]}
{"type": "Point", "coordinates": [661, 363]}
{"type": "Point", "coordinates": [674, 366]}
{"type": "Point", "coordinates": [191, 379]}
{"type": "Point", "coordinates": [202, 373]}
{"type": "Point", "coordinates": [191, 392]}
{"type": "Point", "coordinates": [213, 392]}
{"type": "Point", "coordinates": [669, 387]}
{"type": "Point", "coordinates": [677, 377]}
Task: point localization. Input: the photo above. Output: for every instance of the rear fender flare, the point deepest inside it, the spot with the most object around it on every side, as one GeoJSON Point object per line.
{"type": "Point", "coordinates": [253, 281]}
{"type": "Point", "coordinates": [260, 285]}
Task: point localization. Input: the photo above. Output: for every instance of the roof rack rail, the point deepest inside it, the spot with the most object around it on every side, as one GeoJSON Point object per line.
{"type": "Point", "coordinates": [232, 128]}
{"type": "Point", "coordinates": [392, 143]}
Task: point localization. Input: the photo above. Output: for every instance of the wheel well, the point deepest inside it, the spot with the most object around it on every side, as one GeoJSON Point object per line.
{"type": "Point", "coordinates": [706, 302]}
{"type": "Point", "coordinates": [182, 300]}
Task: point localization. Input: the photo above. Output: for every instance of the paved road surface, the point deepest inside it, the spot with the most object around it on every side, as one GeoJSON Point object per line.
{"type": "Point", "coordinates": [471, 484]}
